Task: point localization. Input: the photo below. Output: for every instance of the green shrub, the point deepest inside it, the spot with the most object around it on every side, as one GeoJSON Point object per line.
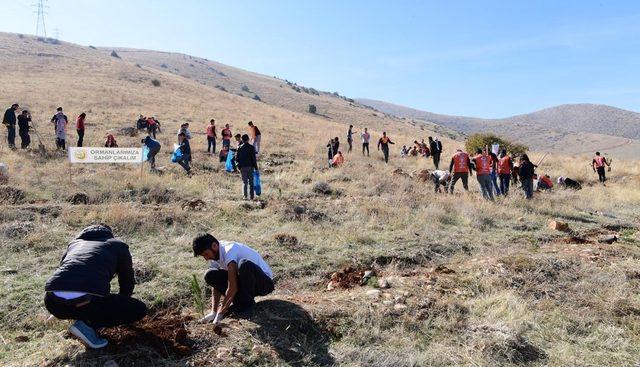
{"type": "Point", "coordinates": [480, 140]}
{"type": "Point", "coordinates": [155, 82]}
{"type": "Point", "coordinates": [313, 109]}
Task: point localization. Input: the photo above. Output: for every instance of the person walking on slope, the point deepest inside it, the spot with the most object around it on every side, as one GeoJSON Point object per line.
{"type": "Point", "coordinates": [24, 120]}
{"type": "Point", "coordinates": [237, 273]}
{"type": "Point", "coordinates": [154, 147]}
{"type": "Point", "coordinates": [246, 162]}
{"type": "Point", "coordinates": [80, 127]}
{"type": "Point", "coordinates": [256, 136]}
{"type": "Point", "coordinates": [60, 122]}
{"type": "Point", "coordinates": [366, 137]}
{"type": "Point", "coordinates": [9, 120]}
{"type": "Point", "coordinates": [461, 167]}
{"type": "Point", "coordinates": [79, 289]}
{"type": "Point", "coordinates": [185, 149]}
{"type": "Point", "coordinates": [598, 164]}
{"type": "Point", "coordinates": [483, 164]}
{"type": "Point", "coordinates": [211, 137]}
{"type": "Point", "coordinates": [505, 165]}
{"type": "Point", "coordinates": [526, 173]}
{"type": "Point", "coordinates": [350, 133]}
{"type": "Point", "coordinates": [384, 143]}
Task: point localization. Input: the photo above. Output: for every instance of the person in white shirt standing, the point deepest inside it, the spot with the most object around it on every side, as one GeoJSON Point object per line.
{"type": "Point", "coordinates": [237, 272]}
{"type": "Point", "coordinates": [365, 141]}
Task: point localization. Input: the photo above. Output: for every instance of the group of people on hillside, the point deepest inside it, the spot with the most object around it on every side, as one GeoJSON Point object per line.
{"type": "Point", "coordinates": [150, 124]}
{"type": "Point", "coordinates": [421, 149]}
{"type": "Point", "coordinates": [79, 289]}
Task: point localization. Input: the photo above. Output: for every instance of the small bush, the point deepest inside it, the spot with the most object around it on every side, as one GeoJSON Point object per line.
{"type": "Point", "coordinates": [93, 47]}
{"type": "Point", "coordinates": [155, 82]}
{"type": "Point", "coordinates": [115, 54]}
{"type": "Point", "coordinates": [245, 89]}
{"type": "Point", "coordinates": [257, 98]}
{"type": "Point", "coordinates": [313, 109]}
{"type": "Point", "coordinates": [164, 66]}
{"type": "Point", "coordinates": [476, 141]}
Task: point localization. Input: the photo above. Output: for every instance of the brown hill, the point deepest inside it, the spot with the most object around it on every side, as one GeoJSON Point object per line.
{"type": "Point", "coordinates": [575, 128]}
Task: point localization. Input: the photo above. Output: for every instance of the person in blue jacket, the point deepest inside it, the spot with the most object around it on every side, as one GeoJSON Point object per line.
{"type": "Point", "coordinates": [154, 147]}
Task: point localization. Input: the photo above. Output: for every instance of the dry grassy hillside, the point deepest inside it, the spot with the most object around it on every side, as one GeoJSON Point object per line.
{"type": "Point", "coordinates": [567, 129]}
{"type": "Point", "coordinates": [457, 280]}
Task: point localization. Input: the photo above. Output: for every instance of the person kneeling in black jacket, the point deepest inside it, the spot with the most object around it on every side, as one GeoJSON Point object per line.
{"type": "Point", "coordinates": [80, 288]}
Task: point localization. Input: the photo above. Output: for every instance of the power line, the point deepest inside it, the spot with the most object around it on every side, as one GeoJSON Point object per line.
{"type": "Point", "coordinates": [41, 28]}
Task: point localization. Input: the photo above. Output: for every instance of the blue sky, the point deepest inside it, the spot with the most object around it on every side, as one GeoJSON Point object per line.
{"type": "Point", "coordinates": [476, 58]}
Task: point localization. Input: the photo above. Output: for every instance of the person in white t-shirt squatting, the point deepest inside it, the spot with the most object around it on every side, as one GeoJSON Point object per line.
{"type": "Point", "coordinates": [237, 272]}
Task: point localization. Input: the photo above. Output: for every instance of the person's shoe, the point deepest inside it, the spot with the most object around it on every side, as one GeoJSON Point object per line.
{"type": "Point", "coordinates": [87, 335]}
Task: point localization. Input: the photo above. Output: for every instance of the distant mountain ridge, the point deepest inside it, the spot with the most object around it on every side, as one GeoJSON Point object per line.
{"type": "Point", "coordinates": [570, 128]}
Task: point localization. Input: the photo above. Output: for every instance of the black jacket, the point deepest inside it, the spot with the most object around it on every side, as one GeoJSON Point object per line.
{"type": "Point", "coordinates": [433, 147]}
{"type": "Point", "coordinates": [246, 156]}
{"type": "Point", "coordinates": [185, 148]}
{"type": "Point", "coordinates": [23, 123]}
{"type": "Point", "coordinates": [91, 261]}
{"type": "Point", "coordinates": [527, 170]}
{"type": "Point", "coordinates": [9, 117]}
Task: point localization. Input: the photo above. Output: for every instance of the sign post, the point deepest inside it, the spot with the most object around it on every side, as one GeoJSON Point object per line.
{"type": "Point", "coordinates": [106, 155]}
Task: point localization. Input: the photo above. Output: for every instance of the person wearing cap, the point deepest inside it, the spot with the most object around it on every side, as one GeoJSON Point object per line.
{"type": "Point", "coordinates": [9, 120]}
{"type": "Point", "coordinates": [79, 289]}
{"type": "Point", "coordinates": [237, 273]}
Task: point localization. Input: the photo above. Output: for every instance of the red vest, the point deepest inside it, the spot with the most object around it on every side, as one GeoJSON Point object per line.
{"type": "Point", "coordinates": [504, 165]}
{"type": "Point", "coordinates": [599, 161]}
{"type": "Point", "coordinates": [460, 160]}
{"type": "Point", "coordinates": [483, 164]}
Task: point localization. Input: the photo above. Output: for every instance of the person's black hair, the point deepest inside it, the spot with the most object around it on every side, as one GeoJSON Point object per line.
{"type": "Point", "coordinates": [15, 105]}
{"type": "Point", "coordinates": [250, 123]}
{"type": "Point", "coordinates": [237, 136]}
{"type": "Point", "coordinates": [479, 150]}
{"type": "Point", "coordinates": [597, 153]}
{"type": "Point", "coordinates": [245, 138]}
{"type": "Point", "coordinates": [350, 126]}
{"type": "Point", "coordinates": [59, 109]}
{"type": "Point", "coordinates": [336, 138]}
{"type": "Point", "coordinates": [202, 242]}
{"type": "Point", "coordinates": [504, 151]}
{"type": "Point", "coordinates": [142, 141]}
{"type": "Point", "coordinates": [83, 115]}
{"type": "Point", "coordinates": [182, 134]}
{"type": "Point", "coordinates": [524, 157]}
{"type": "Point", "coordinates": [430, 138]}
{"type": "Point", "coordinates": [24, 111]}
{"type": "Point", "coordinates": [212, 120]}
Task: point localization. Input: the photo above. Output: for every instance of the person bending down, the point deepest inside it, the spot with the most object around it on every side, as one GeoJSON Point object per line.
{"type": "Point", "coordinates": [237, 272]}
{"type": "Point", "coordinates": [80, 287]}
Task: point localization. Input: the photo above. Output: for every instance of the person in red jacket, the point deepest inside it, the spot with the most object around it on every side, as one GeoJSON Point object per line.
{"type": "Point", "coordinates": [505, 166]}
{"type": "Point", "coordinates": [599, 162]}
{"type": "Point", "coordinates": [460, 166]}
{"type": "Point", "coordinates": [483, 163]}
{"type": "Point", "coordinates": [80, 127]}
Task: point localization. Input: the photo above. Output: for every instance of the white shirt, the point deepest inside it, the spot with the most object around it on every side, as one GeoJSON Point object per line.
{"type": "Point", "coordinates": [365, 137]}
{"type": "Point", "coordinates": [236, 252]}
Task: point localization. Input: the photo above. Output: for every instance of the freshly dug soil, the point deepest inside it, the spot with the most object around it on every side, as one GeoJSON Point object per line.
{"type": "Point", "coordinates": [347, 277]}
{"type": "Point", "coordinates": [163, 331]}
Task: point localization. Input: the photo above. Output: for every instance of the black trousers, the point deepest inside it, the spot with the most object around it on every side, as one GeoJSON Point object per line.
{"type": "Point", "coordinates": [26, 139]}
{"type": "Point", "coordinates": [97, 312]}
{"type": "Point", "coordinates": [80, 136]}
{"type": "Point", "coordinates": [459, 176]}
{"type": "Point", "coordinates": [211, 143]}
{"type": "Point", "coordinates": [11, 136]}
{"type": "Point", "coordinates": [252, 282]}
{"type": "Point", "coordinates": [601, 174]}
{"type": "Point", "coordinates": [60, 144]}
{"type": "Point", "coordinates": [385, 151]}
{"type": "Point", "coordinates": [365, 146]}
{"type": "Point", "coordinates": [350, 142]}
{"type": "Point", "coordinates": [436, 159]}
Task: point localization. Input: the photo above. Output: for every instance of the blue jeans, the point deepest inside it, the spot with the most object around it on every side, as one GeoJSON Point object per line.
{"type": "Point", "coordinates": [505, 180]}
{"type": "Point", "coordinates": [494, 181]}
{"type": "Point", "coordinates": [485, 186]}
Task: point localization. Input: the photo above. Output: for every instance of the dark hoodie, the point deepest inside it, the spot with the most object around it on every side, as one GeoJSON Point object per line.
{"type": "Point", "coordinates": [91, 261]}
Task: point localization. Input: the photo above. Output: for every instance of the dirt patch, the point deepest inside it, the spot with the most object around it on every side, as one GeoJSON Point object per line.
{"type": "Point", "coordinates": [348, 277]}
{"type": "Point", "coordinates": [164, 332]}
{"type": "Point", "coordinates": [79, 198]}
{"type": "Point", "coordinates": [286, 240]}
{"type": "Point", "coordinates": [301, 212]}
{"type": "Point", "coordinates": [575, 239]}
{"type": "Point", "coordinates": [196, 204]}
{"type": "Point", "coordinates": [11, 195]}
